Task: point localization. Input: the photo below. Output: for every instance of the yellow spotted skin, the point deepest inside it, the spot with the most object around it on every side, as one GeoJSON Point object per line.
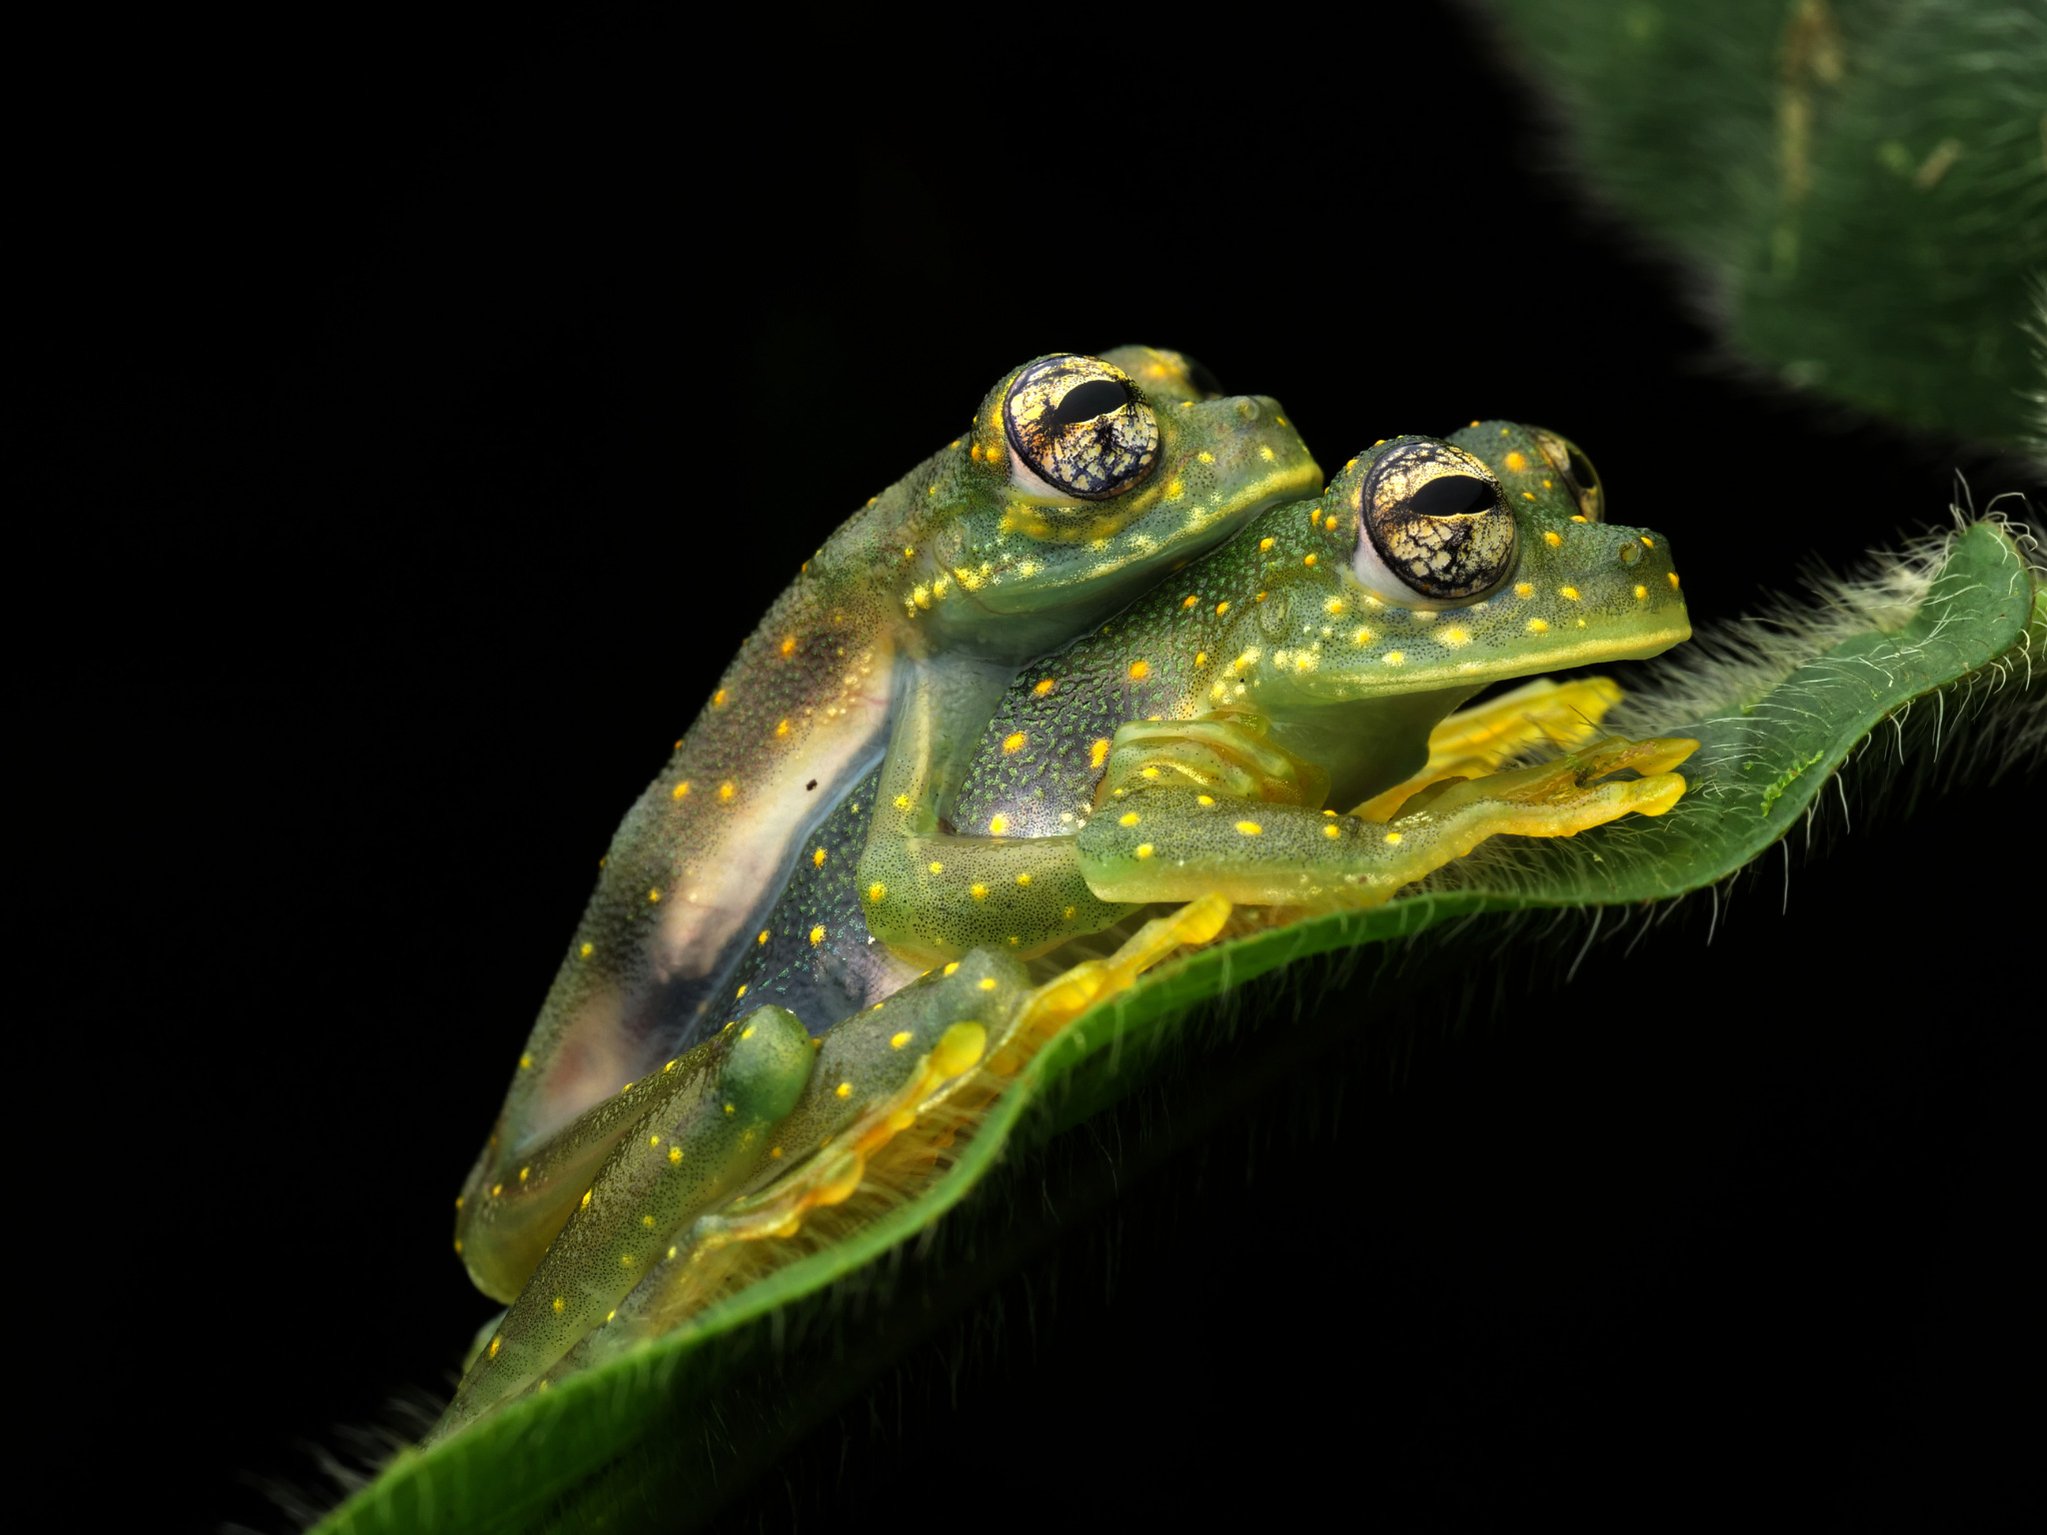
{"type": "Point", "coordinates": [1288, 681]}
{"type": "Point", "coordinates": [931, 594]}
{"type": "Point", "coordinates": [1321, 691]}
{"type": "Point", "coordinates": [704, 1127]}
{"type": "Point", "coordinates": [1287, 738]}
{"type": "Point", "coordinates": [1289, 684]}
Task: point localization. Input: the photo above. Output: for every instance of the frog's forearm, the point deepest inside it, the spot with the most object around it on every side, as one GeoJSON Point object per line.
{"type": "Point", "coordinates": [946, 706]}
{"type": "Point", "coordinates": [931, 894]}
{"type": "Point", "coordinates": [1173, 844]}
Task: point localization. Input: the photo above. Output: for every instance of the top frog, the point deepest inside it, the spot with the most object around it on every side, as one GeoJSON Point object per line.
{"type": "Point", "coordinates": [1082, 482]}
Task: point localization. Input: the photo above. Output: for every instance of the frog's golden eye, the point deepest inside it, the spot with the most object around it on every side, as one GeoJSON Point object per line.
{"type": "Point", "coordinates": [1078, 427]}
{"type": "Point", "coordinates": [1576, 469]}
{"type": "Point", "coordinates": [1433, 524]}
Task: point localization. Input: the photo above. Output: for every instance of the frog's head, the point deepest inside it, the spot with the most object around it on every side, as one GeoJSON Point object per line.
{"type": "Point", "coordinates": [1087, 478]}
{"type": "Point", "coordinates": [1435, 566]}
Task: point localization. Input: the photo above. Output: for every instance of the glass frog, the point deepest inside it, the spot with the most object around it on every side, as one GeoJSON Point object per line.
{"type": "Point", "coordinates": [1273, 727]}
{"type": "Point", "coordinates": [1081, 481]}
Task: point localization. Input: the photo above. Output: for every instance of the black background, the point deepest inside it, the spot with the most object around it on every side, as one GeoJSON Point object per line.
{"type": "Point", "coordinates": [427, 416]}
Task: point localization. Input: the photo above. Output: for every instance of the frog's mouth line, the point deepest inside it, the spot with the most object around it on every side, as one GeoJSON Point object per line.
{"type": "Point", "coordinates": [1133, 555]}
{"type": "Point", "coordinates": [1594, 652]}
{"type": "Point", "coordinates": [1338, 684]}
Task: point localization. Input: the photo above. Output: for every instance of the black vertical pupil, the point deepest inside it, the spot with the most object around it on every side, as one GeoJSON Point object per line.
{"type": "Point", "coordinates": [1581, 471]}
{"type": "Point", "coordinates": [1086, 401]}
{"type": "Point", "coordinates": [1452, 495]}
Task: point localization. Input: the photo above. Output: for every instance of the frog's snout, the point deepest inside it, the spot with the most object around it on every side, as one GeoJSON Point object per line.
{"type": "Point", "coordinates": [1252, 409]}
{"type": "Point", "coordinates": [1645, 592]}
{"type": "Point", "coordinates": [1245, 445]}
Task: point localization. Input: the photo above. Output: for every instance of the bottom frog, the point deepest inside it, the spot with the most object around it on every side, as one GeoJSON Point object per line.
{"type": "Point", "coordinates": [1274, 730]}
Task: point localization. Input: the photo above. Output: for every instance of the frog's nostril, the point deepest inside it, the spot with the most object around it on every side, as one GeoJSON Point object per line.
{"type": "Point", "coordinates": [1630, 552]}
{"type": "Point", "coordinates": [1247, 407]}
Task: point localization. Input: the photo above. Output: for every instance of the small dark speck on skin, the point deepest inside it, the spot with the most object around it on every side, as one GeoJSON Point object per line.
{"type": "Point", "coordinates": [811, 785]}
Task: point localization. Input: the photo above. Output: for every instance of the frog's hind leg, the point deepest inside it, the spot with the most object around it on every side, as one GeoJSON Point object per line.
{"type": "Point", "coordinates": [871, 1077]}
{"type": "Point", "coordinates": [1074, 990]}
{"type": "Point", "coordinates": [1487, 736]}
{"type": "Point", "coordinates": [706, 1122]}
{"type": "Point", "coordinates": [893, 1090]}
{"type": "Point", "coordinates": [1006, 1023]}
{"type": "Point", "coordinates": [503, 1226]}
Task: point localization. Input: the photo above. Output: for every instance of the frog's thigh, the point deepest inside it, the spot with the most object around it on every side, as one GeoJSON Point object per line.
{"type": "Point", "coordinates": [1485, 737]}
{"type": "Point", "coordinates": [513, 1210]}
{"type": "Point", "coordinates": [693, 1145]}
{"type": "Point", "coordinates": [1168, 845]}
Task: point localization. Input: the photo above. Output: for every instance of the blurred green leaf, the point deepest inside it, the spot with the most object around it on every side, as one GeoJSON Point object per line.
{"type": "Point", "coordinates": [1861, 189]}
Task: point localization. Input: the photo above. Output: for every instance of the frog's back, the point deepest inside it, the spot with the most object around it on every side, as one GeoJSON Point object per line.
{"type": "Point", "coordinates": [797, 717]}
{"type": "Point", "coordinates": [1069, 494]}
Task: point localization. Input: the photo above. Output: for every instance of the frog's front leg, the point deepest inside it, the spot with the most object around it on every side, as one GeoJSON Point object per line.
{"type": "Point", "coordinates": [1170, 843]}
{"type": "Point", "coordinates": [1487, 736]}
{"type": "Point", "coordinates": [933, 892]}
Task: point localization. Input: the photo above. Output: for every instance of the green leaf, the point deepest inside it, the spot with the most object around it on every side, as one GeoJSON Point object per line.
{"type": "Point", "coordinates": [1860, 190]}
{"type": "Point", "coordinates": [1937, 646]}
